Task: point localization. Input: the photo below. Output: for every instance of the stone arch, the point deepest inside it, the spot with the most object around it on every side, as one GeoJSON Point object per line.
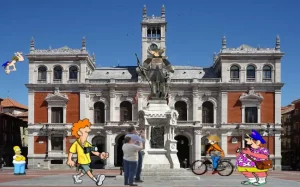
{"type": "Point", "coordinates": [70, 74]}
{"type": "Point", "coordinates": [184, 99]}
{"type": "Point", "coordinates": [126, 111]}
{"type": "Point", "coordinates": [118, 150]}
{"type": "Point", "coordinates": [75, 65]}
{"type": "Point", "coordinates": [42, 72]}
{"type": "Point", "coordinates": [99, 112]}
{"type": "Point", "coordinates": [58, 72]}
{"type": "Point", "coordinates": [100, 142]}
{"type": "Point", "coordinates": [212, 100]}
{"type": "Point", "coordinates": [182, 109]}
{"type": "Point", "coordinates": [208, 112]}
{"type": "Point", "coordinates": [234, 64]}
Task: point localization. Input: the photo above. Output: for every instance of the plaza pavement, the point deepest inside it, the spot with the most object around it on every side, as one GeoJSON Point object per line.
{"type": "Point", "coordinates": [46, 178]}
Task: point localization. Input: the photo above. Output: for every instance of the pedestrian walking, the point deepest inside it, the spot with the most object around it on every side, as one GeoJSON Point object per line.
{"type": "Point", "coordinates": [130, 160]}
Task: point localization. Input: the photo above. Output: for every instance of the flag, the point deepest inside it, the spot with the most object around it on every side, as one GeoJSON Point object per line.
{"type": "Point", "coordinates": [135, 100]}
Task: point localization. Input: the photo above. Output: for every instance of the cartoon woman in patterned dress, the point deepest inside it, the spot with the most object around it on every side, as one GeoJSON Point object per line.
{"type": "Point", "coordinates": [246, 160]}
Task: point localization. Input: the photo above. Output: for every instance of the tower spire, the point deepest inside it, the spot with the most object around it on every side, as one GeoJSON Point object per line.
{"type": "Point", "coordinates": [163, 12]}
{"type": "Point", "coordinates": [32, 44]}
{"type": "Point", "coordinates": [144, 12]}
{"type": "Point", "coordinates": [224, 42]}
{"type": "Point", "coordinates": [94, 58]}
{"type": "Point", "coordinates": [83, 44]}
{"type": "Point", "coordinates": [277, 45]}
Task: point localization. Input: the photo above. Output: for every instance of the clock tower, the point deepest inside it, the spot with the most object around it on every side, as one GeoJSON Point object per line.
{"type": "Point", "coordinates": [153, 32]}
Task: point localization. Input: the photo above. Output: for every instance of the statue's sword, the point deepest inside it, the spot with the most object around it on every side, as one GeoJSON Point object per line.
{"type": "Point", "coordinates": [142, 71]}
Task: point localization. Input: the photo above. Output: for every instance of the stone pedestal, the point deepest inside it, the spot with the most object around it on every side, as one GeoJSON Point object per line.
{"type": "Point", "coordinates": [164, 155]}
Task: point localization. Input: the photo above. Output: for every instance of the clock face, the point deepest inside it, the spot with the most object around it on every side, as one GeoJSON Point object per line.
{"type": "Point", "coordinates": [153, 47]}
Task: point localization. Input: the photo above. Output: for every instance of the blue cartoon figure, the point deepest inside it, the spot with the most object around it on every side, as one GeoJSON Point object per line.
{"type": "Point", "coordinates": [19, 162]}
{"type": "Point", "coordinates": [16, 58]}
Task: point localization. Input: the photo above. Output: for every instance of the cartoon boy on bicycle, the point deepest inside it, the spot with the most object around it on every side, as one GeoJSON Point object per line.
{"type": "Point", "coordinates": [214, 151]}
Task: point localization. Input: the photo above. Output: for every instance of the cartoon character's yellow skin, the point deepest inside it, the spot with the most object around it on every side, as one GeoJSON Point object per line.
{"type": "Point", "coordinates": [18, 155]}
{"type": "Point", "coordinates": [16, 58]}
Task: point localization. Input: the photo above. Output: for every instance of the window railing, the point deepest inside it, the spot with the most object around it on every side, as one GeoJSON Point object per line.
{"type": "Point", "coordinates": [250, 79]}
{"type": "Point", "coordinates": [234, 79]}
{"type": "Point", "coordinates": [43, 81]}
{"type": "Point", "coordinates": [73, 81]}
{"type": "Point", "coordinates": [267, 80]}
{"type": "Point", "coordinates": [57, 80]}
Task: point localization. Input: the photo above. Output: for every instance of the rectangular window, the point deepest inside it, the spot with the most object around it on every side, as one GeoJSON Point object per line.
{"type": "Point", "coordinates": [57, 115]}
{"type": "Point", "coordinates": [251, 114]}
{"type": "Point", "coordinates": [57, 142]}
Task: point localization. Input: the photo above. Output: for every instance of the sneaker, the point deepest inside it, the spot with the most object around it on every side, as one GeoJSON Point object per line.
{"type": "Point", "coordinates": [76, 179]}
{"type": "Point", "coordinates": [247, 182]}
{"type": "Point", "coordinates": [259, 183]}
{"type": "Point", "coordinates": [100, 179]}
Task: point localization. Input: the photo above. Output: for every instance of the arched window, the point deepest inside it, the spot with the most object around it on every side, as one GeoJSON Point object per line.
{"type": "Point", "coordinates": [181, 108]}
{"type": "Point", "coordinates": [73, 73]}
{"type": "Point", "coordinates": [207, 112]}
{"type": "Point", "coordinates": [57, 73]}
{"type": "Point", "coordinates": [42, 73]}
{"type": "Point", "coordinates": [125, 111]}
{"type": "Point", "coordinates": [99, 112]}
{"type": "Point", "coordinates": [251, 73]}
{"type": "Point", "coordinates": [267, 73]}
{"type": "Point", "coordinates": [234, 72]}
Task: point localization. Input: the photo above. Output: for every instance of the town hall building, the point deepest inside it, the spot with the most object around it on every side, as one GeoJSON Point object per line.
{"type": "Point", "coordinates": [240, 91]}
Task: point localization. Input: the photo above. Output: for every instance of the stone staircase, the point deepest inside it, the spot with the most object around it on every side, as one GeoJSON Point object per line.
{"type": "Point", "coordinates": [166, 174]}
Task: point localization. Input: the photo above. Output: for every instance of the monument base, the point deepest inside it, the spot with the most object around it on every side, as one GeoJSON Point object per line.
{"type": "Point", "coordinates": [156, 159]}
{"type": "Point", "coordinates": [172, 154]}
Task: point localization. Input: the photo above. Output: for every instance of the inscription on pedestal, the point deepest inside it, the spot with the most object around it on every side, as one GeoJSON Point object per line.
{"type": "Point", "coordinates": [157, 137]}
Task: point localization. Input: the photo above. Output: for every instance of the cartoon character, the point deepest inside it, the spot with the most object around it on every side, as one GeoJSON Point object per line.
{"type": "Point", "coordinates": [16, 58]}
{"type": "Point", "coordinates": [253, 163]}
{"type": "Point", "coordinates": [19, 162]}
{"type": "Point", "coordinates": [215, 151]}
{"type": "Point", "coordinates": [83, 149]}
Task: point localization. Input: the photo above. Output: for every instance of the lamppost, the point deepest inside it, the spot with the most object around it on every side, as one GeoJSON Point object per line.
{"type": "Point", "coordinates": [268, 131]}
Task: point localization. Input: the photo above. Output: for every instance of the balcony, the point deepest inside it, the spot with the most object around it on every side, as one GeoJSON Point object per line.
{"type": "Point", "coordinates": [72, 81]}
{"type": "Point", "coordinates": [42, 81]}
{"type": "Point", "coordinates": [235, 80]}
{"type": "Point", "coordinates": [267, 80]}
{"type": "Point", "coordinates": [57, 81]}
{"type": "Point", "coordinates": [250, 79]}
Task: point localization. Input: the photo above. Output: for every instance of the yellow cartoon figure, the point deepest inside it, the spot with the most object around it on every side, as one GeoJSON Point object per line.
{"type": "Point", "coordinates": [19, 162]}
{"type": "Point", "coordinates": [83, 148]}
{"type": "Point", "coordinates": [214, 151]}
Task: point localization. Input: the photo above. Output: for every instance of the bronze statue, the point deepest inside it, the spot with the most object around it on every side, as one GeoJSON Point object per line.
{"type": "Point", "coordinates": [156, 69]}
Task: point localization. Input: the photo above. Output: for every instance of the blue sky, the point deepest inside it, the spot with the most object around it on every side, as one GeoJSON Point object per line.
{"type": "Point", "coordinates": [112, 29]}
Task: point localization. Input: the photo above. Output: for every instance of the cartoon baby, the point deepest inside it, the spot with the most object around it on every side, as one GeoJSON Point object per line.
{"type": "Point", "coordinates": [16, 58]}
{"type": "Point", "coordinates": [83, 149]}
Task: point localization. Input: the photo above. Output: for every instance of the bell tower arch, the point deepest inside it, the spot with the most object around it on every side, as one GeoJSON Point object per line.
{"type": "Point", "coordinates": [153, 32]}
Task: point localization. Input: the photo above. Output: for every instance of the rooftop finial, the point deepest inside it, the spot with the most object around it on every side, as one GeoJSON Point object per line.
{"type": "Point", "coordinates": [277, 45]}
{"type": "Point", "coordinates": [215, 56]}
{"type": "Point", "coordinates": [83, 44]}
{"type": "Point", "coordinates": [163, 11]}
{"type": "Point", "coordinates": [144, 12]}
{"type": "Point", "coordinates": [32, 44]}
{"type": "Point", "coordinates": [224, 42]}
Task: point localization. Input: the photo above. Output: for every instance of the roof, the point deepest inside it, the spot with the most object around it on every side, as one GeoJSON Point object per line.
{"type": "Point", "coordinates": [15, 117]}
{"type": "Point", "coordinates": [129, 72]}
{"type": "Point", "coordinates": [8, 103]}
{"type": "Point", "coordinates": [287, 109]}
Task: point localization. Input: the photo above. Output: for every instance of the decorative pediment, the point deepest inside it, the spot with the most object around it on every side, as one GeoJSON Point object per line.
{"type": "Point", "coordinates": [251, 96]}
{"type": "Point", "coordinates": [57, 97]}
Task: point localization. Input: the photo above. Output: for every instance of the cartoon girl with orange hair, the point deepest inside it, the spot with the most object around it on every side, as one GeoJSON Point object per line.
{"type": "Point", "coordinates": [83, 149]}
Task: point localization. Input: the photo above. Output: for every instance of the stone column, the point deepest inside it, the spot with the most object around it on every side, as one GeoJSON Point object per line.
{"type": "Point", "coordinates": [224, 143]}
{"type": "Point", "coordinates": [83, 110]}
{"type": "Point", "coordinates": [30, 107]}
{"type": "Point", "coordinates": [215, 114]}
{"type": "Point", "coordinates": [243, 114]}
{"type": "Point", "coordinates": [224, 106]}
{"type": "Point", "coordinates": [49, 114]}
{"type": "Point", "coordinates": [110, 137]}
{"type": "Point", "coordinates": [277, 70]}
{"type": "Point", "coordinates": [65, 114]}
{"type": "Point", "coordinates": [195, 104]}
{"type": "Point", "coordinates": [277, 164]}
{"type": "Point", "coordinates": [49, 76]}
{"type": "Point", "coordinates": [258, 114]}
{"type": "Point", "coordinates": [197, 144]}
{"type": "Point", "coordinates": [82, 71]}
{"type": "Point", "coordinates": [278, 106]}
{"type": "Point", "coordinates": [65, 76]}
{"type": "Point", "coordinates": [140, 100]}
{"type": "Point", "coordinates": [112, 104]}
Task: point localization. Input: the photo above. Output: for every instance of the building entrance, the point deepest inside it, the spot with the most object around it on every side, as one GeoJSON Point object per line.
{"type": "Point", "coordinates": [183, 150]}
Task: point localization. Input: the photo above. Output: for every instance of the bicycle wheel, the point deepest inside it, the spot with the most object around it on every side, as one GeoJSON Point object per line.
{"type": "Point", "coordinates": [199, 167]}
{"type": "Point", "coordinates": [225, 168]}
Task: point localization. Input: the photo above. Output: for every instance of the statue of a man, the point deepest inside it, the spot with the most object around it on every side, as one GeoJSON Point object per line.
{"type": "Point", "coordinates": [157, 70]}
